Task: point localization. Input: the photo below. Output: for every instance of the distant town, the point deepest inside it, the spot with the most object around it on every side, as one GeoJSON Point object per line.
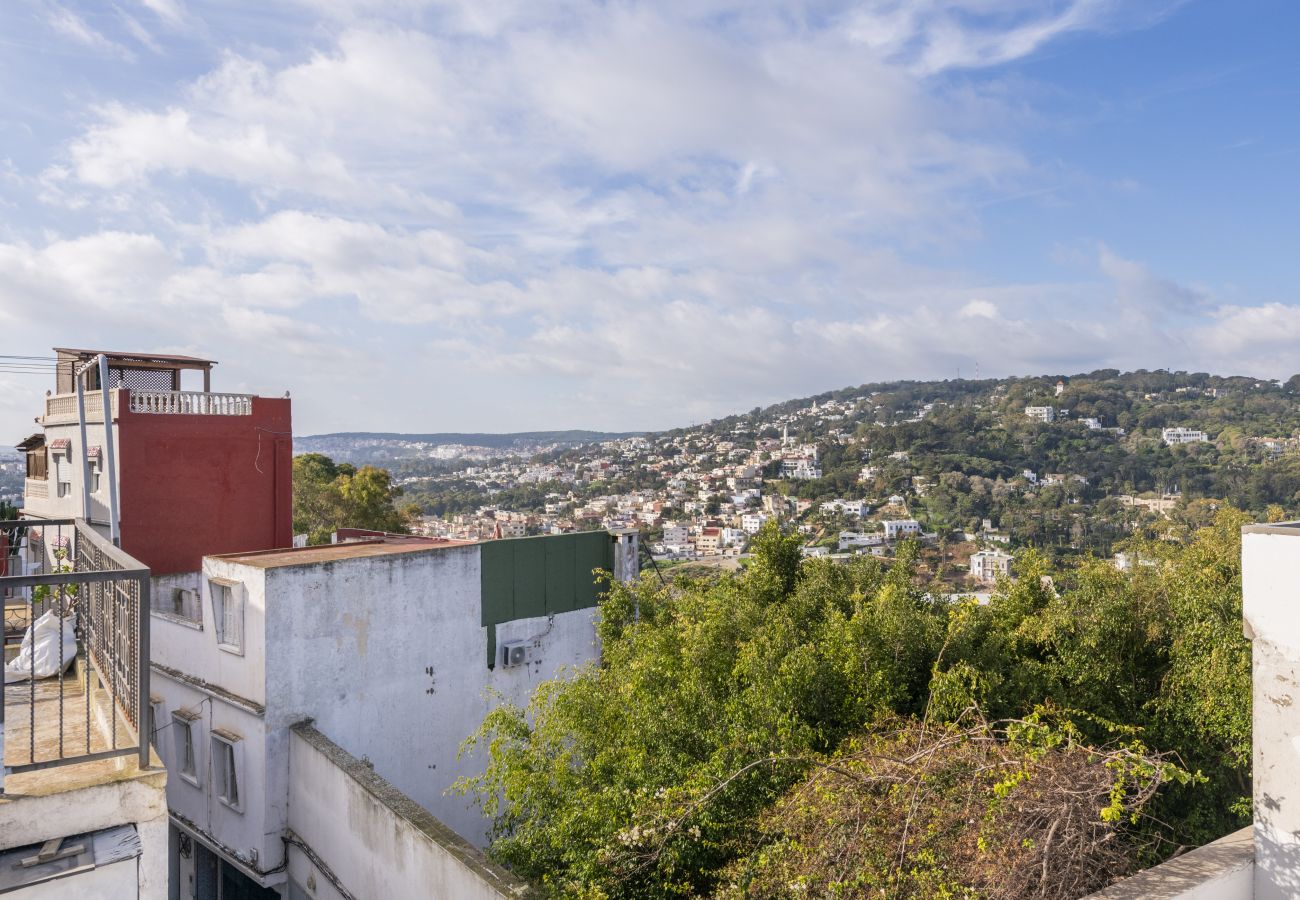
{"type": "Point", "coordinates": [1080, 463]}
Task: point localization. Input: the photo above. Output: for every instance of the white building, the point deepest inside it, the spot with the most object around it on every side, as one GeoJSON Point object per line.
{"type": "Point", "coordinates": [751, 523]}
{"type": "Point", "coordinates": [900, 528]}
{"type": "Point", "coordinates": [989, 565]}
{"type": "Point", "coordinates": [389, 649]}
{"type": "Point", "coordinates": [858, 508]}
{"type": "Point", "coordinates": [83, 811]}
{"type": "Point", "coordinates": [1045, 414]}
{"type": "Point", "coordinates": [1173, 436]}
{"type": "Point", "coordinates": [851, 540]}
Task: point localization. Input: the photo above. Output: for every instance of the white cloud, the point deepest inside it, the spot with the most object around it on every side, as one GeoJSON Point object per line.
{"type": "Point", "coordinates": [71, 25]}
{"type": "Point", "coordinates": [170, 11]}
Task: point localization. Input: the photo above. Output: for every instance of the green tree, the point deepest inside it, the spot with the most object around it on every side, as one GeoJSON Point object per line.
{"type": "Point", "coordinates": [328, 496]}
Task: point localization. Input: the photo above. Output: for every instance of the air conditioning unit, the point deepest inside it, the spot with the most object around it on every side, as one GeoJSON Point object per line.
{"type": "Point", "coordinates": [513, 653]}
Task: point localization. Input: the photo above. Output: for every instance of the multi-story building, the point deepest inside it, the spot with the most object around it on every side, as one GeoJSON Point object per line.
{"type": "Point", "coordinates": [990, 565]}
{"type": "Point", "coordinates": [83, 810]}
{"type": "Point", "coordinates": [1173, 436]}
{"type": "Point", "coordinates": [750, 523]}
{"type": "Point", "coordinates": [709, 540]}
{"type": "Point", "coordinates": [305, 675]}
{"type": "Point", "coordinates": [896, 529]}
{"type": "Point", "coordinates": [195, 472]}
{"type": "Point", "coordinates": [1045, 414]}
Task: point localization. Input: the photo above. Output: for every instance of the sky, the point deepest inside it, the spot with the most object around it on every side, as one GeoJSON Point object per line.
{"type": "Point", "coordinates": [501, 215]}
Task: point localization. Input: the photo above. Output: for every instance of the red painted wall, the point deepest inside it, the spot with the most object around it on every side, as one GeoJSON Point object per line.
{"type": "Point", "coordinates": [193, 486]}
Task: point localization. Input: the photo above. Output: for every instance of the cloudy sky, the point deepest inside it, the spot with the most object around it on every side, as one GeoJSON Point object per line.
{"type": "Point", "coordinates": [516, 214]}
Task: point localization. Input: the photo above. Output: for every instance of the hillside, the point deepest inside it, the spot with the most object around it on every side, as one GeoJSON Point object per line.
{"type": "Point", "coordinates": [389, 447]}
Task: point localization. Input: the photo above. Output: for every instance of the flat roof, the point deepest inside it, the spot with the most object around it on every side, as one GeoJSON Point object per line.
{"type": "Point", "coordinates": [307, 556]}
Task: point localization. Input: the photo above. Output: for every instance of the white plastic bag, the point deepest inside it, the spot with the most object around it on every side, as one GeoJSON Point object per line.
{"type": "Point", "coordinates": [41, 647]}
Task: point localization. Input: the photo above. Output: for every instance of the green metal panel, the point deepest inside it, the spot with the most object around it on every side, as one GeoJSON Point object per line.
{"type": "Point", "coordinates": [497, 579]}
{"type": "Point", "coordinates": [530, 578]}
{"type": "Point", "coordinates": [595, 550]}
{"type": "Point", "coordinates": [561, 560]}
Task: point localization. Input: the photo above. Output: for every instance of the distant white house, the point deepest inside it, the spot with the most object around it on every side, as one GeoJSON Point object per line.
{"type": "Point", "coordinates": [752, 522]}
{"type": "Point", "coordinates": [989, 565]}
{"type": "Point", "coordinates": [851, 540]}
{"type": "Point", "coordinates": [857, 508]}
{"type": "Point", "coordinates": [1172, 436]}
{"type": "Point", "coordinates": [1041, 413]}
{"type": "Point", "coordinates": [812, 552]}
{"type": "Point", "coordinates": [900, 528]}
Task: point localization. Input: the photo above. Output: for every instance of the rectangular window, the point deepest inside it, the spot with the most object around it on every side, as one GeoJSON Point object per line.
{"type": "Point", "coordinates": [228, 613]}
{"type": "Point", "coordinates": [226, 759]}
{"type": "Point", "coordinates": [178, 603]}
{"type": "Point", "coordinates": [94, 478]}
{"type": "Point", "coordinates": [38, 464]}
{"type": "Point", "coordinates": [63, 475]}
{"type": "Point", "coordinates": [184, 746]}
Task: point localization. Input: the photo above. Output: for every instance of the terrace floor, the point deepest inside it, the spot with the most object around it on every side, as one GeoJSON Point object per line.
{"type": "Point", "coordinates": [51, 719]}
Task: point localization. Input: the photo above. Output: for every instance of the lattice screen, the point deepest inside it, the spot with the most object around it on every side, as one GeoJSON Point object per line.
{"type": "Point", "coordinates": [141, 379]}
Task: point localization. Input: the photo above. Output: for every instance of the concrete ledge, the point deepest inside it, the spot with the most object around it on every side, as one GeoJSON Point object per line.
{"type": "Point", "coordinates": [1223, 870]}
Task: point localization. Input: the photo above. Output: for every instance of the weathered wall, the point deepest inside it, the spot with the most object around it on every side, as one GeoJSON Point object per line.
{"type": "Point", "coordinates": [140, 800]}
{"type": "Point", "coordinates": [1271, 604]}
{"type": "Point", "coordinates": [388, 655]}
{"type": "Point", "coordinates": [1223, 870]}
{"type": "Point", "coordinates": [371, 840]}
{"type": "Point", "coordinates": [196, 485]}
{"type": "Point", "coordinates": [192, 647]}
{"type": "Point", "coordinates": [250, 834]}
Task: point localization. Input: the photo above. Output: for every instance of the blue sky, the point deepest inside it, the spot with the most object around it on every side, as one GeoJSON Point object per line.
{"type": "Point", "coordinates": [519, 214]}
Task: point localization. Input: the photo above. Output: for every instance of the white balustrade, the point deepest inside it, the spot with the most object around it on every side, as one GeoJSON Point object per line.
{"type": "Point", "coordinates": [191, 403]}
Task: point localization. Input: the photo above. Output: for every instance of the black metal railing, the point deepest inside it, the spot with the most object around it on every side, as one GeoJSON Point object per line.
{"type": "Point", "coordinates": [73, 701]}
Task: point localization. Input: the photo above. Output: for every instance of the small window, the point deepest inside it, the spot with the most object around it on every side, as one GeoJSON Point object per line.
{"type": "Point", "coordinates": [177, 602]}
{"type": "Point", "coordinates": [94, 478]}
{"type": "Point", "coordinates": [184, 746]}
{"type": "Point", "coordinates": [226, 759]}
{"type": "Point", "coordinates": [228, 613]}
{"type": "Point", "coordinates": [63, 476]}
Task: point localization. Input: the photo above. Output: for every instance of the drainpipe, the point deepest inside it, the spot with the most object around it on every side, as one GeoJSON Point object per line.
{"type": "Point", "coordinates": [85, 448]}
{"type": "Point", "coordinates": [110, 454]}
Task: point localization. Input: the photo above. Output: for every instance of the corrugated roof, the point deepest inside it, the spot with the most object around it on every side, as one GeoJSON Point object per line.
{"type": "Point", "coordinates": [117, 356]}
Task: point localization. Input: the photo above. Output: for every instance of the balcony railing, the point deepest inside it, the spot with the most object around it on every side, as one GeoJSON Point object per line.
{"type": "Point", "coordinates": [61, 409]}
{"type": "Point", "coordinates": [191, 403]}
{"type": "Point", "coordinates": [81, 606]}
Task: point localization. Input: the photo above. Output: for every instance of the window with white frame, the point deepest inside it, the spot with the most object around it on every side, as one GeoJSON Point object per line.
{"type": "Point", "coordinates": [63, 473]}
{"type": "Point", "coordinates": [94, 476]}
{"type": "Point", "coordinates": [228, 613]}
{"type": "Point", "coordinates": [227, 759]}
{"type": "Point", "coordinates": [185, 745]}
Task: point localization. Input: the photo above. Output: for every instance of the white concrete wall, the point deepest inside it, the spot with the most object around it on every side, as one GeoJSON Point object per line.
{"type": "Point", "coordinates": [1223, 870]}
{"type": "Point", "coordinates": [116, 881]}
{"type": "Point", "coordinates": [141, 801]}
{"type": "Point", "coordinates": [387, 655]}
{"type": "Point", "coordinates": [251, 834]}
{"type": "Point", "coordinates": [373, 841]}
{"type": "Point", "coordinates": [1271, 601]}
{"type": "Point", "coordinates": [54, 506]}
{"type": "Point", "coordinates": [193, 649]}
